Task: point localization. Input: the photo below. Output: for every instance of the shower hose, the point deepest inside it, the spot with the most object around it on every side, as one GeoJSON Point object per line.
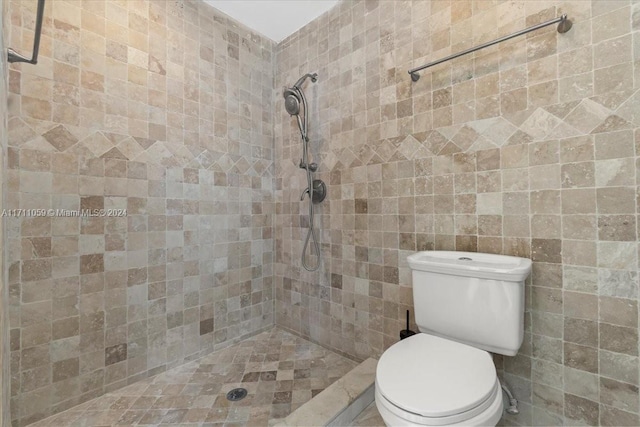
{"type": "Point", "coordinates": [311, 232]}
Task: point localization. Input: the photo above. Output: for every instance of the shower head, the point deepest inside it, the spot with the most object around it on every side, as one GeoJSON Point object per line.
{"type": "Point", "coordinates": [291, 101]}
{"type": "Point", "coordinates": [314, 78]}
{"type": "Point", "coordinates": [295, 101]}
{"type": "Point", "coordinates": [293, 95]}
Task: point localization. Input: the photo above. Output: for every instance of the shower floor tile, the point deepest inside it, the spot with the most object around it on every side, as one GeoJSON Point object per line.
{"type": "Point", "coordinates": [279, 370]}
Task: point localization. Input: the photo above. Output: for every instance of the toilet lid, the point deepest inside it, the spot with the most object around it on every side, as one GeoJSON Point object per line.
{"type": "Point", "coordinates": [435, 377]}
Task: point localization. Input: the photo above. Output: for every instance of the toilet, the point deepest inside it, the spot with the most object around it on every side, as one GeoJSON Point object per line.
{"type": "Point", "coordinates": [466, 305]}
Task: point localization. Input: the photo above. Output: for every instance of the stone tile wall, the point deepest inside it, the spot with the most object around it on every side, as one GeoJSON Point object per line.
{"type": "Point", "coordinates": [5, 370]}
{"type": "Point", "coordinates": [162, 108]}
{"type": "Point", "coordinates": [165, 109]}
{"type": "Point", "coordinates": [528, 148]}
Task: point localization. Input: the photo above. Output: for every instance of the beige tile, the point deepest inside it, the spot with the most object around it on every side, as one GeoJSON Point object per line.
{"type": "Point", "coordinates": [619, 366]}
{"type": "Point", "coordinates": [578, 175]}
{"type": "Point", "coordinates": [581, 357]}
{"type": "Point", "coordinates": [617, 227]}
{"type": "Point", "coordinates": [536, 159]}
{"type": "Point", "coordinates": [576, 87]}
{"type": "Point", "coordinates": [546, 397]}
{"type": "Point", "coordinates": [610, 416]}
{"type": "Point", "coordinates": [612, 78]}
{"type": "Point", "coordinates": [578, 201]}
{"type": "Point", "coordinates": [581, 410]}
{"type": "Point", "coordinates": [582, 227]}
{"type": "Point", "coordinates": [581, 306]}
{"type": "Point", "coordinates": [619, 339]}
{"type": "Point", "coordinates": [581, 383]}
{"type": "Point", "coordinates": [617, 394]}
{"type": "Point", "coordinates": [612, 24]}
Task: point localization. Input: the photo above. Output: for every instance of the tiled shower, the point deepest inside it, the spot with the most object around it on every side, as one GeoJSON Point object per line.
{"type": "Point", "coordinates": [162, 109]}
{"type": "Point", "coordinates": [173, 111]}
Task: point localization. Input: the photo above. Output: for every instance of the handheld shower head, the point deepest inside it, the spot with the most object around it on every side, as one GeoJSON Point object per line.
{"type": "Point", "coordinates": [291, 101]}
{"type": "Point", "coordinates": [295, 102]}
{"type": "Point", "coordinates": [293, 95]}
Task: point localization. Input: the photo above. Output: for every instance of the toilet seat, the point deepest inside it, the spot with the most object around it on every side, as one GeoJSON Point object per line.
{"type": "Point", "coordinates": [394, 416]}
{"type": "Point", "coordinates": [430, 380]}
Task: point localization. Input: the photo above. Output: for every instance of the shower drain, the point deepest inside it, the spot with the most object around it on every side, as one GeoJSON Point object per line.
{"type": "Point", "coordinates": [237, 394]}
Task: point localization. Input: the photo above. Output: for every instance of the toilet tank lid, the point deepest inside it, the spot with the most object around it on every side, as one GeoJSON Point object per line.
{"type": "Point", "coordinates": [472, 264]}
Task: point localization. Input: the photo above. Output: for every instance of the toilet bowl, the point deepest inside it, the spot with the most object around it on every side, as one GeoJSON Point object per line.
{"type": "Point", "coordinates": [426, 380]}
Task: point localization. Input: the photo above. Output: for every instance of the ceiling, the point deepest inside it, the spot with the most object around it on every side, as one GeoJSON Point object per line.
{"type": "Point", "coordinates": [275, 19]}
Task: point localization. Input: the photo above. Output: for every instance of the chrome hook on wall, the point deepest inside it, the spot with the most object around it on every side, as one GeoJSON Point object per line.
{"type": "Point", "coordinates": [13, 56]}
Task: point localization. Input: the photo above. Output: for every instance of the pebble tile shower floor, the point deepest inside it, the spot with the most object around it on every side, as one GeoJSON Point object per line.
{"type": "Point", "coordinates": [279, 370]}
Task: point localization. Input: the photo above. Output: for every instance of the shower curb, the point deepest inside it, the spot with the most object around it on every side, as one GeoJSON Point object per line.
{"type": "Point", "coordinates": [341, 402]}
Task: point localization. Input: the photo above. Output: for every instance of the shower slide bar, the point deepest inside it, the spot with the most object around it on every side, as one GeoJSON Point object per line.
{"type": "Point", "coordinates": [13, 56]}
{"type": "Point", "coordinates": [564, 25]}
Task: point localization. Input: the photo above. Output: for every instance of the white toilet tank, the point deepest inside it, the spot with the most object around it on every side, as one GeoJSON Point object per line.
{"type": "Point", "coordinates": [473, 298]}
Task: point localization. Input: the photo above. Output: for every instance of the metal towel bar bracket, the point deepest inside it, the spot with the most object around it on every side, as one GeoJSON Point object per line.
{"type": "Point", "coordinates": [13, 56]}
{"type": "Point", "coordinates": [564, 25]}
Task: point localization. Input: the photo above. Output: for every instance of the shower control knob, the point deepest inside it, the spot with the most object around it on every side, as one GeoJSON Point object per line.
{"type": "Point", "coordinates": [311, 166]}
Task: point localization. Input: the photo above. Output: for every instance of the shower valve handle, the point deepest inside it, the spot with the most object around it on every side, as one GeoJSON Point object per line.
{"type": "Point", "coordinates": [305, 192]}
{"type": "Point", "coordinates": [311, 166]}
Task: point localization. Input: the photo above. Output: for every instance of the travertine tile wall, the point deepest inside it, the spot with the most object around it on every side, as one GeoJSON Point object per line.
{"type": "Point", "coordinates": [528, 148]}
{"type": "Point", "coordinates": [163, 108]}
{"type": "Point", "coordinates": [5, 370]}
